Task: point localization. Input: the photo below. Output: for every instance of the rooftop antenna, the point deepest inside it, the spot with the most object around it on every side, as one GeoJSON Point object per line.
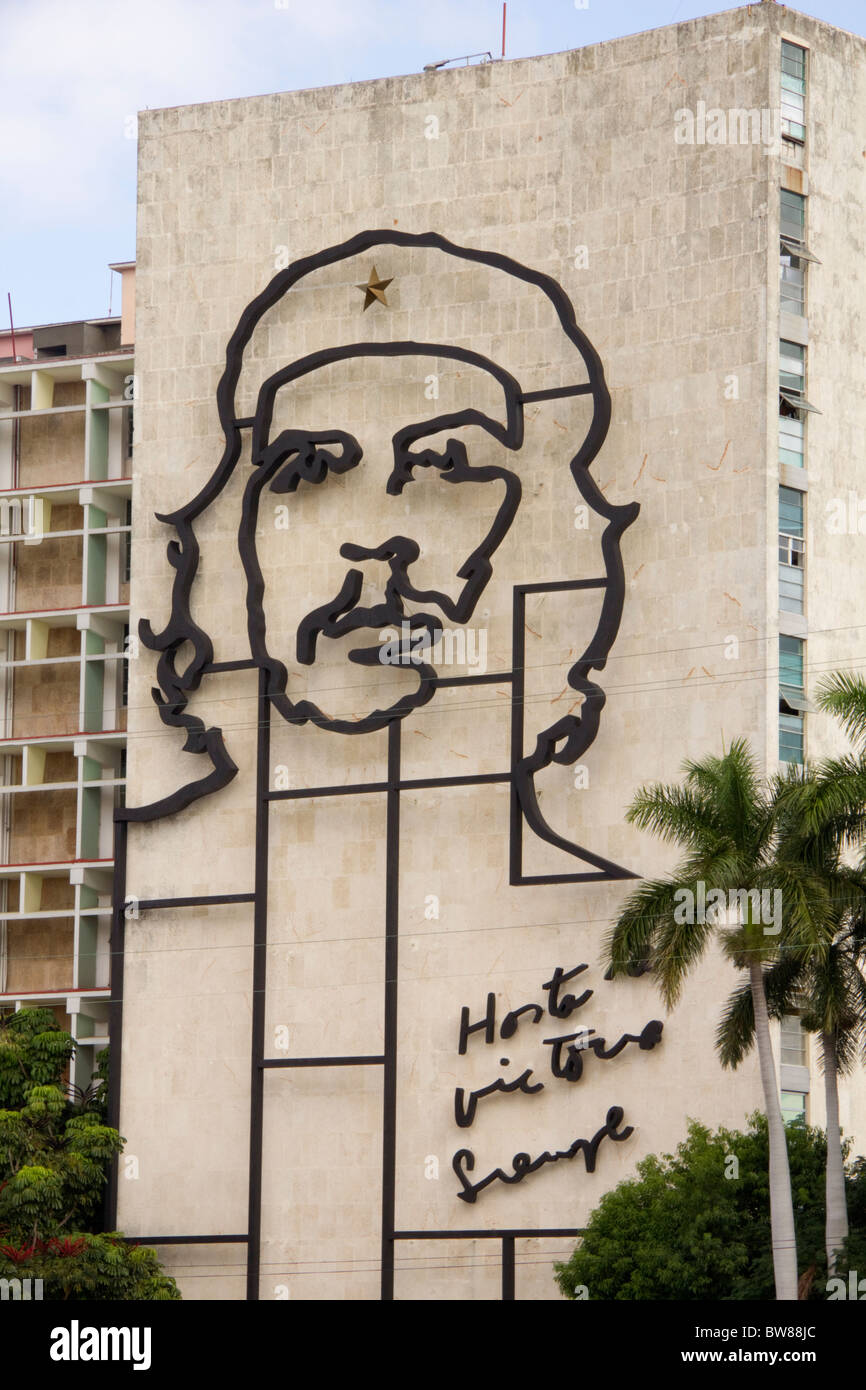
{"type": "Point", "coordinates": [486, 57]}
{"type": "Point", "coordinates": [467, 57]}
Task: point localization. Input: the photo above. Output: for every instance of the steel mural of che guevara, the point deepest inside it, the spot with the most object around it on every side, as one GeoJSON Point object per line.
{"type": "Point", "coordinates": [403, 530]}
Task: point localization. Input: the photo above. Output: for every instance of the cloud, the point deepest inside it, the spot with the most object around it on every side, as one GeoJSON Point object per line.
{"type": "Point", "coordinates": [73, 75]}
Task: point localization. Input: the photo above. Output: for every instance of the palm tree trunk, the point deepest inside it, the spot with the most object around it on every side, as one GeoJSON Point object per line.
{"type": "Point", "coordinates": [836, 1229]}
{"type": "Point", "coordinates": [781, 1204]}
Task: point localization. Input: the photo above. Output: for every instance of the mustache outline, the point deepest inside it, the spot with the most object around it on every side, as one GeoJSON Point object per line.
{"type": "Point", "coordinates": [341, 615]}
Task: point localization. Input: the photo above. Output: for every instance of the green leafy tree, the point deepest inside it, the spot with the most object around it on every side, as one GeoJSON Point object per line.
{"type": "Point", "coordinates": [54, 1158]}
{"type": "Point", "coordinates": [695, 1224]}
{"type": "Point", "coordinates": [727, 822]}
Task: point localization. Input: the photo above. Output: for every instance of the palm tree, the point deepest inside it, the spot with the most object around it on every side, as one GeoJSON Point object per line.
{"type": "Point", "coordinates": [831, 809]}
{"type": "Point", "coordinates": [826, 987]}
{"type": "Point", "coordinates": [835, 1008]}
{"type": "Point", "coordinates": [727, 823]}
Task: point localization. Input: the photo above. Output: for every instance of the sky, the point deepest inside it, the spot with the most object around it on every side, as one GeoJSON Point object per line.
{"type": "Point", "coordinates": [72, 77]}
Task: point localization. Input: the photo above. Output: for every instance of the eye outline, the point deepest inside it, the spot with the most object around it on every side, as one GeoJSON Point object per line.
{"type": "Point", "coordinates": [452, 462]}
{"type": "Point", "coordinates": [458, 468]}
{"type": "Point", "coordinates": [297, 456]}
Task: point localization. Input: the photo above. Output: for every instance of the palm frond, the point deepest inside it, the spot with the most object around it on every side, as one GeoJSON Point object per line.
{"type": "Point", "coordinates": [784, 983]}
{"type": "Point", "coordinates": [843, 695]}
{"type": "Point", "coordinates": [731, 784]}
{"type": "Point", "coordinates": [630, 941]}
{"type": "Point", "coordinates": [735, 1033]}
{"type": "Point", "coordinates": [679, 945]}
{"type": "Point", "coordinates": [834, 799]}
{"type": "Point", "coordinates": [675, 814]}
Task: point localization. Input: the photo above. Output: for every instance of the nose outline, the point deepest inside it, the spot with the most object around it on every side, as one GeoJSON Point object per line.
{"type": "Point", "coordinates": [398, 552]}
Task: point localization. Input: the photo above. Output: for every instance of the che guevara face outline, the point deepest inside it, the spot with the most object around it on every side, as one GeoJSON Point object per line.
{"type": "Point", "coordinates": [300, 458]}
{"type": "Point", "coordinates": [179, 675]}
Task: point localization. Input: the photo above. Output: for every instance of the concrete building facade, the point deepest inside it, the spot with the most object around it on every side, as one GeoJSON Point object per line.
{"type": "Point", "coordinates": [365, 897]}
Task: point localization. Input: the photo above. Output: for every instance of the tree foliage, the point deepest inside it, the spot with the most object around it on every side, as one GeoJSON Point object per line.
{"type": "Point", "coordinates": [54, 1158]}
{"type": "Point", "coordinates": [726, 821]}
{"type": "Point", "coordinates": [695, 1224]}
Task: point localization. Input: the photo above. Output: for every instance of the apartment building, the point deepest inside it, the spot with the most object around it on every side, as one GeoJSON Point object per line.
{"type": "Point", "coordinates": [66, 420]}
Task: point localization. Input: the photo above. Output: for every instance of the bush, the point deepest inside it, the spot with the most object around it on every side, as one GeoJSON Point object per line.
{"type": "Point", "coordinates": [695, 1225]}
{"type": "Point", "coordinates": [54, 1161]}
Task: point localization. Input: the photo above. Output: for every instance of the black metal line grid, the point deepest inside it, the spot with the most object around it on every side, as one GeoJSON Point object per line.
{"type": "Point", "coordinates": [563, 742]}
{"type": "Point", "coordinates": [507, 1238]}
{"type": "Point", "coordinates": [259, 1063]}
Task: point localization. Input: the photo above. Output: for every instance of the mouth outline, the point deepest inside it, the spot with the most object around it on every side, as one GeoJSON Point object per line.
{"type": "Point", "coordinates": [408, 653]}
{"type": "Point", "coordinates": [342, 615]}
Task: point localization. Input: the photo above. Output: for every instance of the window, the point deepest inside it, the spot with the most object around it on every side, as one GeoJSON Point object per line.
{"type": "Point", "coordinates": [793, 95]}
{"type": "Point", "coordinates": [792, 558]}
{"type": "Point", "coordinates": [792, 385]}
{"type": "Point", "coordinates": [792, 226]}
{"type": "Point", "coordinates": [793, 1106]}
{"type": "Point", "coordinates": [791, 434]}
{"type": "Point", "coordinates": [791, 665]}
{"type": "Point", "coordinates": [792, 215]}
{"type": "Point", "coordinates": [792, 367]}
{"type": "Point", "coordinates": [792, 283]}
{"type": "Point", "coordinates": [793, 1042]}
{"type": "Point", "coordinates": [791, 741]}
{"type": "Point", "coordinates": [791, 511]}
{"type": "Point", "coordinates": [794, 256]}
{"type": "Point", "coordinates": [792, 702]}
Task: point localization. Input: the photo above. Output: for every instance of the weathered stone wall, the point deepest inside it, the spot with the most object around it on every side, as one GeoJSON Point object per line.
{"type": "Point", "coordinates": [568, 164]}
